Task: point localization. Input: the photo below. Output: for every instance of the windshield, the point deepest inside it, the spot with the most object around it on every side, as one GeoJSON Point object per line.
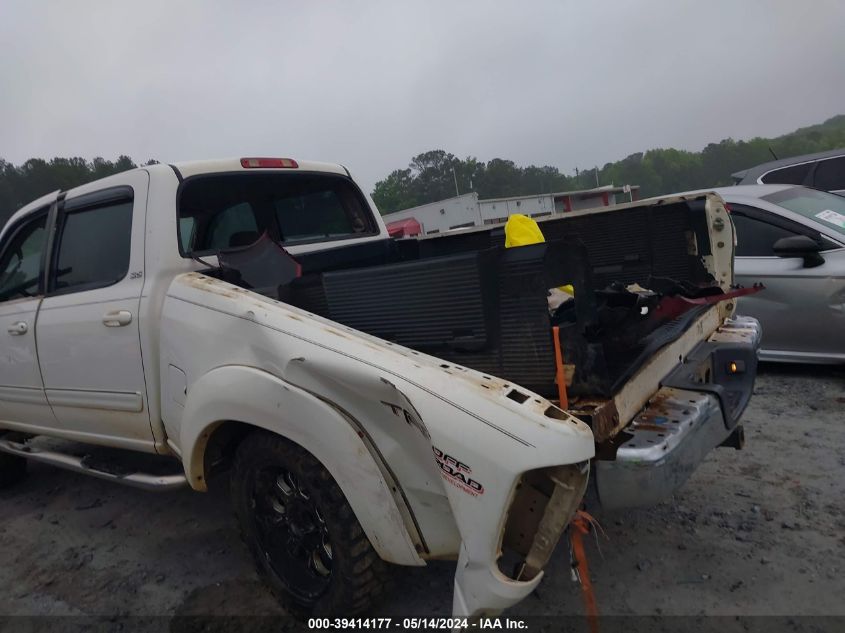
{"type": "Point", "coordinates": [825, 208]}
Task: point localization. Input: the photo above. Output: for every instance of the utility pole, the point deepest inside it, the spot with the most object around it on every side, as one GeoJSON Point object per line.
{"type": "Point", "coordinates": [457, 193]}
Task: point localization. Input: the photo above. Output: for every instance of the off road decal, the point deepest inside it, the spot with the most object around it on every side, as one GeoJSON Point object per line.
{"type": "Point", "coordinates": [457, 473]}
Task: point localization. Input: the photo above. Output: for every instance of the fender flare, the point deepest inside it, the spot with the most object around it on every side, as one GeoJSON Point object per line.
{"type": "Point", "coordinates": [251, 396]}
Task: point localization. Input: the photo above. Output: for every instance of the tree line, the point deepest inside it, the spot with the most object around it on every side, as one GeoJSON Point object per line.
{"type": "Point", "coordinates": [21, 184]}
{"type": "Point", "coordinates": [437, 174]}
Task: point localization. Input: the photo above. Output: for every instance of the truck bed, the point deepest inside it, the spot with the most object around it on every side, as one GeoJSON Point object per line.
{"type": "Point", "coordinates": [465, 298]}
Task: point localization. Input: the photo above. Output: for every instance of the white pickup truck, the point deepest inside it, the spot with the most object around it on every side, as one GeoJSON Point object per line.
{"type": "Point", "coordinates": [369, 399]}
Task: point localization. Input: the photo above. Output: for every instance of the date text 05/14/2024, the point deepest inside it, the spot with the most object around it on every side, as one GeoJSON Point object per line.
{"type": "Point", "coordinates": [406, 624]}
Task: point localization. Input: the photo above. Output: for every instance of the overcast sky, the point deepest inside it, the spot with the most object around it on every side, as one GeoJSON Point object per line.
{"type": "Point", "coordinates": [370, 84]}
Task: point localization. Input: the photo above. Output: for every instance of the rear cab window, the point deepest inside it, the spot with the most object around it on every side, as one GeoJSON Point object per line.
{"type": "Point", "coordinates": [231, 210]}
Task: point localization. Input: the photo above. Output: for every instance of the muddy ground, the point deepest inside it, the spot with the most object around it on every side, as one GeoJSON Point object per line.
{"type": "Point", "coordinates": [756, 532]}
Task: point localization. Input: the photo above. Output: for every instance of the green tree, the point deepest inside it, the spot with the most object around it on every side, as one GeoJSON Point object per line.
{"type": "Point", "coordinates": [36, 177]}
{"type": "Point", "coordinates": [429, 176]}
{"type": "Point", "coordinates": [394, 192]}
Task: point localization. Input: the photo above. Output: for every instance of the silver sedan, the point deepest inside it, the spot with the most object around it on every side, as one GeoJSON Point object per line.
{"type": "Point", "coordinates": [792, 239]}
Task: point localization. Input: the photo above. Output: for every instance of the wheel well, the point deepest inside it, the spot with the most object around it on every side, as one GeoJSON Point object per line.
{"type": "Point", "coordinates": [222, 444]}
{"type": "Point", "coordinates": [215, 449]}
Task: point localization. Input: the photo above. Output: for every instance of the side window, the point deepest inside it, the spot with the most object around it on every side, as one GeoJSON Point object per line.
{"type": "Point", "coordinates": [20, 261]}
{"type": "Point", "coordinates": [830, 174]}
{"type": "Point", "coordinates": [792, 175]}
{"type": "Point", "coordinates": [755, 238]}
{"type": "Point", "coordinates": [187, 226]}
{"type": "Point", "coordinates": [93, 249]}
{"type": "Point", "coordinates": [236, 226]}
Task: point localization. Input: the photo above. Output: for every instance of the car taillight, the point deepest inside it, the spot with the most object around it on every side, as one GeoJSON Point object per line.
{"type": "Point", "coordinates": [249, 163]}
{"type": "Point", "coordinates": [727, 207]}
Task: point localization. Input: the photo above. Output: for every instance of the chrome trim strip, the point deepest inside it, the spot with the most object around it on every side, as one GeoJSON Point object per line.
{"type": "Point", "coordinates": [108, 400]}
{"type": "Point", "coordinates": [24, 395]}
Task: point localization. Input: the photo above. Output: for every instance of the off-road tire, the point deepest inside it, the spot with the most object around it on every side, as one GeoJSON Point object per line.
{"type": "Point", "coordinates": [357, 575]}
{"type": "Point", "coordinates": [12, 470]}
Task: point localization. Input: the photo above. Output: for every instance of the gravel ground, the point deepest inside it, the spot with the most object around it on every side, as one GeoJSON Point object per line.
{"type": "Point", "coordinates": [756, 532]}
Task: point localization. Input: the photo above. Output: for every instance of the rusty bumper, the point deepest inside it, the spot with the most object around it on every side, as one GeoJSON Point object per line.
{"type": "Point", "coordinates": [697, 409]}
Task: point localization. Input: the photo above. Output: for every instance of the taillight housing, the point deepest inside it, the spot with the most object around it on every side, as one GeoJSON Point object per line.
{"type": "Point", "coordinates": [273, 163]}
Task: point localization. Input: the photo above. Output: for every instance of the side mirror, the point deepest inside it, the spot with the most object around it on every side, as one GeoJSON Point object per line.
{"type": "Point", "coordinates": [800, 246]}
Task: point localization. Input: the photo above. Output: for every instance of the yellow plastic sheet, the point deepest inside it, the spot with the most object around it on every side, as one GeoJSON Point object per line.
{"type": "Point", "coordinates": [520, 230]}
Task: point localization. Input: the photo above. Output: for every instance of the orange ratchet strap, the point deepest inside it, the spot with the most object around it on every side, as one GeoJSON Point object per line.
{"type": "Point", "coordinates": [560, 376]}
{"type": "Point", "coordinates": [581, 525]}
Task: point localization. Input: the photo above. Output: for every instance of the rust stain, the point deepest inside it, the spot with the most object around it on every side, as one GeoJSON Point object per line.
{"type": "Point", "coordinates": [601, 415]}
{"type": "Point", "coordinates": [659, 403]}
{"type": "Point", "coordinates": [646, 426]}
{"type": "Point", "coordinates": [202, 282]}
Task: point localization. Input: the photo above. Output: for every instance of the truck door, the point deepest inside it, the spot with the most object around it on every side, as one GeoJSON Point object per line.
{"type": "Point", "coordinates": [22, 398]}
{"type": "Point", "coordinates": [88, 335]}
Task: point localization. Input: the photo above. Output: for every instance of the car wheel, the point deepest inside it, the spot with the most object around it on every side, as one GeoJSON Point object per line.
{"type": "Point", "coordinates": [12, 469]}
{"type": "Point", "coordinates": [307, 544]}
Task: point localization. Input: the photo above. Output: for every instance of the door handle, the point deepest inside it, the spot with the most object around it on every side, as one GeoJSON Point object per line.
{"type": "Point", "coordinates": [117, 318]}
{"type": "Point", "coordinates": [18, 329]}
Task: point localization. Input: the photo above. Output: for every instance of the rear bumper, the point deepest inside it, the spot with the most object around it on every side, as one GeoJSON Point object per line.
{"type": "Point", "coordinates": [660, 449]}
{"type": "Point", "coordinates": [697, 409]}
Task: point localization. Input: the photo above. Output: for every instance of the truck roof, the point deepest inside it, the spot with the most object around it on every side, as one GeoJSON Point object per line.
{"type": "Point", "coordinates": [218, 165]}
{"type": "Point", "coordinates": [186, 169]}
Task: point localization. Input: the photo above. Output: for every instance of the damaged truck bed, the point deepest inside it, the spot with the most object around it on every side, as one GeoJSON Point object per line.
{"type": "Point", "coordinates": [647, 343]}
